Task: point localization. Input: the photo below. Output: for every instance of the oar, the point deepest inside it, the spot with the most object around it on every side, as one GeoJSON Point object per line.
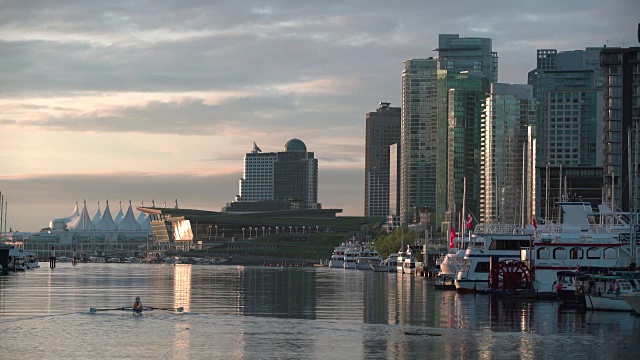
{"type": "Point", "coordinates": [94, 310]}
{"type": "Point", "coordinates": [178, 309]}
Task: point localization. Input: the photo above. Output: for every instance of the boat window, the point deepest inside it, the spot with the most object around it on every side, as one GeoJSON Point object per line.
{"type": "Point", "coordinates": [560, 253]}
{"type": "Point", "coordinates": [576, 253]}
{"type": "Point", "coordinates": [593, 253]}
{"type": "Point", "coordinates": [508, 244]}
{"type": "Point", "coordinates": [482, 267]}
{"type": "Point", "coordinates": [543, 254]}
{"type": "Point", "coordinates": [610, 253]}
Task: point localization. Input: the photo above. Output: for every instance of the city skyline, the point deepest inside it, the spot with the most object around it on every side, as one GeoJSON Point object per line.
{"type": "Point", "coordinates": [126, 100]}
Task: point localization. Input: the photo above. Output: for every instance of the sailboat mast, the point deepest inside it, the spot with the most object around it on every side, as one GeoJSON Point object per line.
{"type": "Point", "coordinates": [464, 207]}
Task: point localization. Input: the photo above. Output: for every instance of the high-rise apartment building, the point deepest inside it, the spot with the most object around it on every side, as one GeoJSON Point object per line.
{"type": "Point", "coordinates": [418, 138]}
{"type": "Point", "coordinates": [470, 54]}
{"type": "Point", "coordinates": [286, 180]}
{"type": "Point", "coordinates": [621, 71]}
{"type": "Point", "coordinates": [507, 155]}
{"type": "Point", "coordinates": [393, 219]}
{"type": "Point", "coordinates": [382, 130]}
{"type": "Point", "coordinates": [461, 98]}
{"type": "Point", "coordinates": [568, 90]}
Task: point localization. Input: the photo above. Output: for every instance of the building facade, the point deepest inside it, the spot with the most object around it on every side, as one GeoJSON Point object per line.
{"type": "Point", "coordinates": [506, 155]}
{"type": "Point", "coordinates": [470, 54]}
{"type": "Point", "coordinates": [286, 180]}
{"type": "Point", "coordinates": [393, 219]}
{"type": "Point", "coordinates": [621, 97]}
{"type": "Point", "coordinates": [461, 98]}
{"type": "Point", "coordinates": [419, 140]}
{"type": "Point", "coordinates": [382, 130]}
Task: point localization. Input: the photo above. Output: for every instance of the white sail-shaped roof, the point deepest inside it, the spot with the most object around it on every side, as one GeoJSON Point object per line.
{"type": "Point", "coordinates": [129, 222]}
{"type": "Point", "coordinates": [97, 215]}
{"type": "Point", "coordinates": [119, 215]}
{"type": "Point", "coordinates": [106, 221]}
{"type": "Point", "coordinates": [71, 217]}
{"type": "Point", "coordinates": [141, 215]}
{"type": "Point", "coordinates": [145, 224]}
{"type": "Point", "coordinates": [83, 221]}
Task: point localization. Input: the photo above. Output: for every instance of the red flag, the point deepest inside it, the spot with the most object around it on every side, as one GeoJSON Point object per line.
{"type": "Point", "coordinates": [452, 238]}
{"type": "Point", "coordinates": [469, 221]}
{"type": "Point", "coordinates": [533, 222]}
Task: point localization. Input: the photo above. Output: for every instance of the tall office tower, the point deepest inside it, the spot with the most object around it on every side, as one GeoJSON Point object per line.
{"type": "Point", "coordinates": [418, 139]}
{"type": "Point", "coordinates": [295, 175]}
{"type": "Point", "coordinates": [621, 67]}
{"type": "Point", "coordinates": [393, 219]}
{"type": "Point", "coordinates": [257, 180]}
{"type": "Point", "coordinates": [568, 89]}
{"type": "Point", "coordinates": [509, 112]}
{"type": "Point", "coordinates": [382, 130]}
{"type": "Point", "coordinates": [273, 181]}
{"type": "Point", "coordinates": [467, 67]}
{"type": "Point", "coordinates": [468, 54]}
{"type": "Point", "coordinates": [461, 98]}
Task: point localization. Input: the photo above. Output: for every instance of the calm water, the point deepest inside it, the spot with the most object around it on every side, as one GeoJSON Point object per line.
{"type": "Point", "coordinates": [295, 313]}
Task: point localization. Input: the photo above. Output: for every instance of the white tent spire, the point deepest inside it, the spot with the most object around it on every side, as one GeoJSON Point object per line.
{"type": "Point", "coordinates": [106, 221]}
{"type": "Point", "coordinates": [83, 221]}
{"type": "Point", "coordinates": [129, 222]}
{"type": "Point", "coordinates": [119, 215]}
{"type": "Point", "coordinates": [97, 215]}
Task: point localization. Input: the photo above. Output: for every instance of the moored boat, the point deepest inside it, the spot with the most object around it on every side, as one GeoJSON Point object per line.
{"type": "Point", "coordinates": [605, 292]}
{"type": "Point", "coordinates": [633, 299]}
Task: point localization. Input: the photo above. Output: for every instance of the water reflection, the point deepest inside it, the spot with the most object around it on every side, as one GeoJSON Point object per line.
{"type": "Point", "coordinates": [250, 311]}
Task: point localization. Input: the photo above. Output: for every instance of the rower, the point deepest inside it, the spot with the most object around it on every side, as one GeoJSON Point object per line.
{"type": "Point", "coordinates": [137, 305]}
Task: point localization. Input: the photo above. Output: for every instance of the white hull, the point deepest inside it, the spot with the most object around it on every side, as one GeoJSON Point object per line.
{"type": "Point", "coordinates": [609, 303]}
{"type": "Point", "coordinates": [350, 265]}
{"type": "Point", "coordinates": [633, 299]}
{"type": "Point", "coordinates": [336, 264]}
{"type": "Point", "coordinates": [471, 286]}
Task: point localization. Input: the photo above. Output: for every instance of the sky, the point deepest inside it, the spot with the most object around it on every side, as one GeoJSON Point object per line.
{"type": "Point", "coordinates": [160, 100]}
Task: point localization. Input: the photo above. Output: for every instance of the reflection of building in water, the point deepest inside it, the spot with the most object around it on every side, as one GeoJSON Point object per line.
{"type": "Point", "coordinates": [181, 298]}
{"type": "Point", "coordinates": [182, 286]}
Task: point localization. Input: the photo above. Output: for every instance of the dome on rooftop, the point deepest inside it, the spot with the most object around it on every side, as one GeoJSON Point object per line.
{"type": "Point", "coordinates": [295, 145]}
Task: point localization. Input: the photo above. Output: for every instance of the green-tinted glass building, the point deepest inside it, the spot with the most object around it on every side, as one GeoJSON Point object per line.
{"type": "Point", "coordinates": [461, 97]}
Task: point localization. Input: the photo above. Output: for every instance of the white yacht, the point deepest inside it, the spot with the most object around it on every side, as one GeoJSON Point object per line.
{"type": "Point", "coordinates": [351, 256]}
{"type": "Point", "coordinates": [486, 254]}
{"type": "Point", "coordinates": [410, 264]}
{"type": "Point", "coordinates": [392, 263]}
{"type": "Point", "coordinates": [584, 242]}
{"type": "Point", "coordinates": [368, 257]}
{"type": "Point", "coordinates": [337, 258]}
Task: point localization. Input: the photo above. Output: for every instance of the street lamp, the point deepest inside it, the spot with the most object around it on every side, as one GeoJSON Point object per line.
{"type": "Point", "coordinates": [250, 229]}
{"type": "Point", "coordinates": [216, 231]}
{"type": "Point", "coordinates": [263, 231]}
{"type": "Point", "coordinates": [290, 229]}
{"type": "Point", "coordinates": [209, 232]}
{"type": "Point", "coordinates": [303, 229]}
{"type": "Point", "coordinates": [317, 228]}
{"type": "Point", "coordinates": [269, 230]}
{"type": "Point", "coordinates": [242, 233]}
{"type": "Point", "coordinates": [296, 229]}
{"type": "Point", "coordinates": [277, 230]}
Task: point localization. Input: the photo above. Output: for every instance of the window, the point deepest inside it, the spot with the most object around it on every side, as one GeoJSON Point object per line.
{"type": "Point", "coordinates": [593, 253]}
{"type": "Point", "coordinates": [482, 267]}
{"type": "Point", "coordinates": [560, 253]}
{"type": "Point", "coordinates": [576, 253]}
{"type": "Point", "coordinates": [610, 253]}
{"type": "Point", "coordinates": [543, 254]}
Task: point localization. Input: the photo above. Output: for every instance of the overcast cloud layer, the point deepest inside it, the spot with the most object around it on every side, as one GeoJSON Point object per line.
{"type": "Point", "coordinates": [155, 96]}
